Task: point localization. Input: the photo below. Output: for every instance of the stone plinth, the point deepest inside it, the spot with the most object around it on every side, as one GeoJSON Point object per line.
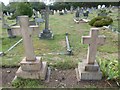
{"type": "Point", "coordinates": [32, 70]}
{"type": "Point", "coordinates": [46, 35]}
{"type": "Point", "coordinates": [87, 71]}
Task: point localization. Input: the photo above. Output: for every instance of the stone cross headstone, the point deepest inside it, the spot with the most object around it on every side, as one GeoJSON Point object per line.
{"type": "Point", "coordinates": [33, 29]}
{"type": "Point", "coordinates": [46, 34]}
{"type": "Point", "coordinates": [31, 66]}
{"type": "Point", "coordinates": [89, 69]}
{"type": "Point", "coordinates": [93, 40]}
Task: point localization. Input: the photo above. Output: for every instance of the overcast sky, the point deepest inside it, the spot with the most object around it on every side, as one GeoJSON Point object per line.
{"type": "Point", "coordinates": [5, 1]}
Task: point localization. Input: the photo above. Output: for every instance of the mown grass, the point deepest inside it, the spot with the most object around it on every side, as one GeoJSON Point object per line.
{"type": "Point", "coordinates": [59, 25]}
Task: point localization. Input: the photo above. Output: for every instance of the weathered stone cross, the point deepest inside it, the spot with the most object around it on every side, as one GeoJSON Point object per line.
{"type": "Point", "coordinates": [93, 40]}
{"type": "Point", "coordinates": [31, 66]}
{"type": "Point", "coordinates": [27, 41]}
{"type": "Point", "coordinates": [33, 29]}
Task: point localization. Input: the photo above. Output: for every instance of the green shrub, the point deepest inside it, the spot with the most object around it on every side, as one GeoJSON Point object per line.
{"type": "Point", "coordinates": [101, 21]}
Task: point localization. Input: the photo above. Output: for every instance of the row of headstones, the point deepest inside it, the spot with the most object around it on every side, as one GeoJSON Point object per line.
{"type": "Point", "coordinates": [34, 68]}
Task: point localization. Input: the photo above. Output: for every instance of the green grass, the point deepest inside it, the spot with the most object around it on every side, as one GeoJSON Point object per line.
{"type": "Point", "coordinates": [59, 26]}
{"type": "Point", "coordinates": [27, 83]}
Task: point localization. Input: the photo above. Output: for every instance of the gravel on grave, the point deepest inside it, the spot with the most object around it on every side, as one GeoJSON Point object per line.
{"type": "Point", "coordinates": [58, 78]}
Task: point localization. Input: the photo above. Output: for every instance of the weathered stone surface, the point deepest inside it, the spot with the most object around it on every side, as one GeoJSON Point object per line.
{"type": "Point", "coordinates": [86, 75]}
{"type": "Point", "coordinates": [39, 74]}
{"type": "Point", "coordinates": [89, 69]}
{"type": "Point", "coordinates": [93, 40]}
{"type": "Point", "coordinates": [43, 70]}
{"type": "Point", "coordinates": [31, 65]}
{"type": "Point", "coordinates": [27, 75]}
{"type": "Point", "coordinates": [33, 30]}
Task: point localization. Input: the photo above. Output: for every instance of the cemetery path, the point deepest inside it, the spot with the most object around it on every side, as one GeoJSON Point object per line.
{"type": "Point", "coordinates": [59, 79]}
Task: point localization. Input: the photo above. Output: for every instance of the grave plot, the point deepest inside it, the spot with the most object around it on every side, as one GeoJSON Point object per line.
{"type": "Point", "coordinates": [63, 66]}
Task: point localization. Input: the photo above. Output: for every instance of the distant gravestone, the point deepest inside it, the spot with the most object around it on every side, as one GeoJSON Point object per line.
{"type": "Point", "coordinates": [77, 14]}
{"type": "Point", "coordinates": [31, 67]}
{"type": "Point", "coordinates": [39, 20]}
{"type": "Point", "coordinates": [86, 14]}
{"type": "Point", "coordinates": [89, 69]}
{"type": "Point", "coordinates": [65, 11]}
{"type": "Point", "coordinates": [99, 6]}
{"type": "Point", "coordinates": [46, 33]}
{"type": "Point", "coordinates": [71, 9]}
{"type": "Point", "coordinates": [103, 6]}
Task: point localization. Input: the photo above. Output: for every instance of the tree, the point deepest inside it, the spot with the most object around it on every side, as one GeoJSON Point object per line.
{"type": "Point", "coordinates": [24, 8]}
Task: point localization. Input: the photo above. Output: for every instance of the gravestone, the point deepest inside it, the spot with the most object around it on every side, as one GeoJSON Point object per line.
{"type": "Point", "coordinates": [46, 33]}
{"type": "Point", "coordinates": [65, 11]}
{"type": "Point", "coordinates": [39, 20]}
{"type": "Point", "coordinates": [89, 69]}
{"type": "Point", "coordinates": [86, 14]}
{"type": "Point", "coordinates": [33, 30]}
{"type": "Point", "coordinates": [77, 14]}
{"type": "Point", "coordinates": [31, 66]}
{"type": "Point", "coordinates": [99, 6]}
{"type": "Point", "coordinates": [71, 9]}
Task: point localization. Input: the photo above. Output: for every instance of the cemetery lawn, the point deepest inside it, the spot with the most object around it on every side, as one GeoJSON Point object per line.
{"type": "Point", "coordinates": [53, 51]}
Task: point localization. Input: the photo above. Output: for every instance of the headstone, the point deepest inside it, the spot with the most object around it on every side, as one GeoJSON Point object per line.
{"type": "Point", "coordinates": [46, 33]}
{"type": "Point", "coordinates": [39, 20]}
{"type": "Point", "coordinates": [103, 6]}
{"type": "Point", "coordinates": [89, 69]}
{"type": "Point", "coordinates": [58, 11]}
{"type": "Point", "coordinates": [77, 14]}
{"type": "Point", "coordinates": [31, 66]}
{"type": "Point", "coordinates": [99, 6]}
{"type": "Point", "coordinates": [71, 9]}
{"type": "Point", "coordinates": [54, 11]}
{"type": "Point", "coordinates": [86, 14]}
{"type": "Point", "coordinates": [65, 11]}
{"type": "Point", "coordinates": [33, 30]}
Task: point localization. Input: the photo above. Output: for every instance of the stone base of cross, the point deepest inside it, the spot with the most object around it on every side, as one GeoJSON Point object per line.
{"type": "Point", "coordinates": [32, 69]}
{"type": "Point", "coordinates": [89, 69]}
{"type": "Point", "coordinates": [48, 35]}
{"type": "Point", "coordinates": [31, 66]}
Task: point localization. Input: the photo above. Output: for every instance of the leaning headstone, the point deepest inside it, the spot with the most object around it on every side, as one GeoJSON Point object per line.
{"type": "Point", "coordinates": [31, 66]}
{"type": "Point", "coordinates": [89, 69]}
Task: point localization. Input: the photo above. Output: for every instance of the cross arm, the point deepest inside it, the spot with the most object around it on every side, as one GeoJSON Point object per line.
{"type": "Point", "coordinates": [86, 39]}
